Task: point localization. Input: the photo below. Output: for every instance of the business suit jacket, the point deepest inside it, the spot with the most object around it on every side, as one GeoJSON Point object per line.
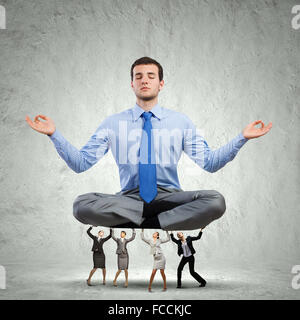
{"type": "Point", "coordinates": [189, 241]}
{"type": "Point", "coordinates": [98, 245]}
{"type": "Point", "coordinates": [155, 247]}
{"type": "Point", "coordinates": [122, 247]}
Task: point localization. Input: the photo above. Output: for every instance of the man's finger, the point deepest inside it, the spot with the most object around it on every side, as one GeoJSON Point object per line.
{"type": "Point", "coordinates": [269, 126]}
{"type": "Point", "coordinates": [28, 119]}
{"type": "Point", "coordinates": [32, 124]}
{"type": "Point", "coordinates": [43, 117]}
{"type": "Point", "coordinates": [256, 122]}
{"type": "Point", "coordinates": [36, 119]}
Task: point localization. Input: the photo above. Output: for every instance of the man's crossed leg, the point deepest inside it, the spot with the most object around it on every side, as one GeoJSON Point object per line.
{"type": "Point", "coordinates": [172, 209]}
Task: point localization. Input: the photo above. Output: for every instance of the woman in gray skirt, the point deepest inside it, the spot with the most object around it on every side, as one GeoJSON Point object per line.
{"type": "Point", "coordinates": [123, 258]}
{"type": "Point", "coordinates": [98, 253]}
{"type": "Point", "coordinates": [159, 258]}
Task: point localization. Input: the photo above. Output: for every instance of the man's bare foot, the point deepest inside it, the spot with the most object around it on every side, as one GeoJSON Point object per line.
{"type": "Point", "coordinates": [88, 282]}
{"type": "Point", "coordinates": [149, 289]}
{"type": "Point", "coordinates": [126, 284]}
{"type": "Point", "coordinates": [115, 283]}
{"type": "Point", "coordinates": [164, 289]}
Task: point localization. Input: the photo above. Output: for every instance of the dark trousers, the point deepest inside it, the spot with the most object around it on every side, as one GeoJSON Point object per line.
{"type": "Point", "coordinates": [191, 261]}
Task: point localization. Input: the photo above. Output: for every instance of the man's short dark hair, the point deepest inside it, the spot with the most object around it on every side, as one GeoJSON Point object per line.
{"type": "Point", "coordinates": [124, 232]}
{"type": "Point", "coordinates": [147, 60]}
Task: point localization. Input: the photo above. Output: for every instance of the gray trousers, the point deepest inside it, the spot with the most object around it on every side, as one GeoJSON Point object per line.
{"type": "Point", "coordinates": [176, 209]}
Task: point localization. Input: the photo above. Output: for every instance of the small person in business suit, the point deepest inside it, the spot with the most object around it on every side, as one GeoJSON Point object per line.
{"type": "Point", "coordinates": [159, 258]}
{"type": "Point", "coordinates": [185, 248]}
{"type": "Point", "coordinates": [123, 258]}
{"type": "Point", "coordinates": [98, 253]}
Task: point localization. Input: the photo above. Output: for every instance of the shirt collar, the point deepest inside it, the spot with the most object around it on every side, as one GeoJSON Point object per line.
{"type": "Point", "coordinates": [137, 111]}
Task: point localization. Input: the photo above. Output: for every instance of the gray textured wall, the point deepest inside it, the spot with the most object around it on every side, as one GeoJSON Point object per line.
{"type": "Point", "coordinates": [226, 63]}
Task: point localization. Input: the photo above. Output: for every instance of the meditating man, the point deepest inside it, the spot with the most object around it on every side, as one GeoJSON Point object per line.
{"type": "Point", "coordinates": [147, 141]}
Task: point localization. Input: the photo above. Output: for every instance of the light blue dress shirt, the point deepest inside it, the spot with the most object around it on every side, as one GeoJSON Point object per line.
{"type": "Point", "coordinates": [174, 132]}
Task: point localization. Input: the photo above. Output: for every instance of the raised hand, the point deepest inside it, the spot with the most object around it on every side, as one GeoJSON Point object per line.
{"type": "Point", "coordinates": [251, 131]}
{"type": "Point", "coordinates": [45, 127]}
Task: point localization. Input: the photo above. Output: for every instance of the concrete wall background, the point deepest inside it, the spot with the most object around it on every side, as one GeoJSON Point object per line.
{"type": "Point", "coordinates": [226, 63]}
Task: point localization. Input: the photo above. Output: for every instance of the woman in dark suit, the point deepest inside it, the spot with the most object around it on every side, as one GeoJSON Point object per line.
{"type": "Point", "coordinates": [98, 253]}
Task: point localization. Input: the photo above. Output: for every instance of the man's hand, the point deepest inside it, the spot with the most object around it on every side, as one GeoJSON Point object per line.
{"type": "Point", "coordinates": [45, 127]}
{"type": "Point", "coordinates": [251, 131]}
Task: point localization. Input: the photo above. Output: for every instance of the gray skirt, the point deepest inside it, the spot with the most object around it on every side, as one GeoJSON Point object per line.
{"type": "Point", "coordinates": [159, 261]}
{"type": "Point", "coordinates": [99, 260]}
{"type": "Point", "coordinates": [123, 261]}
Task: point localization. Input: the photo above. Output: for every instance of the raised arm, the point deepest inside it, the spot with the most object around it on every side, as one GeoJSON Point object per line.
{"type": "Point", "coordinates": [109, 236]}
{"type": "Point", "coordinates": [113, 235]}
{"type": "Point", "coordinates": [78, 160]}
{"type": "Point", "coordinates": [173, 238]}
{"type": "Point", "coordinates": [132, 237]}
{"type": "Point", "coordinates": [167, 239]}
{"type": "Point", "coordinates": [89, 232]}
{"type": "Point", "coordinates": [210, 160]}
{"type": "Point", "coordinates": [143, 237]}
{"type": "Point", "coordinates": [198, 237]}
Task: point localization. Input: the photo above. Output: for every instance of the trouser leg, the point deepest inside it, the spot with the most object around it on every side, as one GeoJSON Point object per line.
{"type": "Point", "coordinates": [108, 210]}
{"type": "Point", "coordinates": [175, 209]}
{"type": "Point", "coordinates": [193, 272]}
{"type": "Point", "coordinates": [181, 265]}
{"type": "Point", "coordinates": [191, 209]}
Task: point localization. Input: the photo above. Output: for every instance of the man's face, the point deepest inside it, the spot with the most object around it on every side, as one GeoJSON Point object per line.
{"type": "Point", "coordinates": [145, 83]}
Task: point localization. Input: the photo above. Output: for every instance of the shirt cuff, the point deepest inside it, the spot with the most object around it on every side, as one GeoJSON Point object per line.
{"type": "Point", "coordinates": [56, 136]}
{"type": "Point", "coordinates": [240, 140]}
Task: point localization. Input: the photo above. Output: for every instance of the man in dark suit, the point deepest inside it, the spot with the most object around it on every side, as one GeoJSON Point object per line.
{"type": "Point", "coordinates": [185, 248]}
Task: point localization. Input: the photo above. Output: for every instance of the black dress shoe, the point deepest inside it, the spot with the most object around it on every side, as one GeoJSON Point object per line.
{"type": "Point", "coordinates": [203, 284]}
{"type": "Point", "coordinates": [178, 287]}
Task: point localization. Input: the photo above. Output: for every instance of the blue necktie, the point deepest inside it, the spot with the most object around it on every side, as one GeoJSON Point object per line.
{"type": "Point", "coordinates": [147, 170]}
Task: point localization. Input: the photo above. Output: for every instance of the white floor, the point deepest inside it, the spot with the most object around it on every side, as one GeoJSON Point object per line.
{"type": "Point", "coordinates": [53, 281]}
